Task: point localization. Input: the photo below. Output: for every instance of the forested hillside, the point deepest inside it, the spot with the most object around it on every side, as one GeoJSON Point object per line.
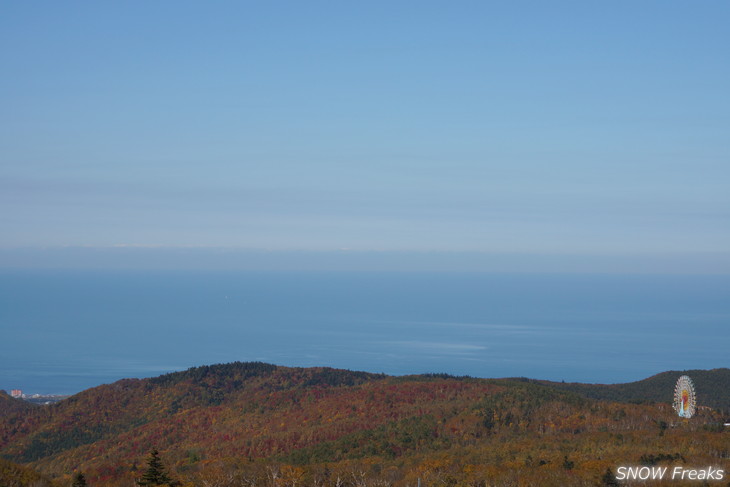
{"type": "Point", "coordinates": [10, 405]}
{"type": "Point", "coordinates": [712, 386]}
{"type": "Point", "coordinates": [14, 475]}
{"type": "Point", "coordinates": [258, 424]}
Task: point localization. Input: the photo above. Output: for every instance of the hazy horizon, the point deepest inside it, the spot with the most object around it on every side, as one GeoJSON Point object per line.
{"type": "Point", "coordinates": [237, 259]}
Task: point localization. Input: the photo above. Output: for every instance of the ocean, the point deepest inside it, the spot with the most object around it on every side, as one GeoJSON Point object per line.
{"type": "Point", "coordinates": [65, 331]}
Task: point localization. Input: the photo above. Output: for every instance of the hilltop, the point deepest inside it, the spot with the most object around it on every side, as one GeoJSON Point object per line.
{"type": "Point", "coordinates": [713, 388]}
{"type": "Point", "coordinates": [324, 426]}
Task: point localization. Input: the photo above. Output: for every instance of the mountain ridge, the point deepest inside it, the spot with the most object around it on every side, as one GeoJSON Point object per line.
{"type": "Point", "coordinates": [712, 386]}
{"type": "Point", "coordinates": [253, 412]}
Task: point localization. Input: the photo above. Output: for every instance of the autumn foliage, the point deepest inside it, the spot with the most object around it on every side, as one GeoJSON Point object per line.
{"type": "Point", "coordinates": [251, 424]}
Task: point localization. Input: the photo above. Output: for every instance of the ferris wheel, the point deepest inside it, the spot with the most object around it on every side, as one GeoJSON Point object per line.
{"type": "Point", "coordinates": [685, 401]}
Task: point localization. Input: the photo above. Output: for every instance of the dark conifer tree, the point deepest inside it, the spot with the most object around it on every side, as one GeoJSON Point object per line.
{"type": "Point", "coordinates": [155, 475]}
{"type": "Point", "coordinates": [79, 480]}
{"type": "Point", "coordinates": [608, 480]}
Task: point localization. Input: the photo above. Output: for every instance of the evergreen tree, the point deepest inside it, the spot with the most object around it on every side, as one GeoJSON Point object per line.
{"type": "Point", "coordinates": [608, 480]}
{"type": "Point", "coordinates": [156, 475]}
{"type": "Point", "coordinates": [79, 480]}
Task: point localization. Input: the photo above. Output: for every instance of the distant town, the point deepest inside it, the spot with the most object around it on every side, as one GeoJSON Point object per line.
{"type": "Point", "coordinates": [37, 398]}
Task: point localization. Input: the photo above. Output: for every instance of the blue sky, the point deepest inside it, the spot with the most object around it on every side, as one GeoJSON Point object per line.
{"type": "Point", "coordinates": [558, 129]}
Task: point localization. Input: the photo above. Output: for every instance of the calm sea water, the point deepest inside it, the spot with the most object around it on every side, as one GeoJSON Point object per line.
{"type": "Point", "coordinates": [63, 331]}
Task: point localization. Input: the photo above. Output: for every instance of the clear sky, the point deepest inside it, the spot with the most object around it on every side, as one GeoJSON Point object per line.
{"type": "Point", "coordinates": [568, 128]}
